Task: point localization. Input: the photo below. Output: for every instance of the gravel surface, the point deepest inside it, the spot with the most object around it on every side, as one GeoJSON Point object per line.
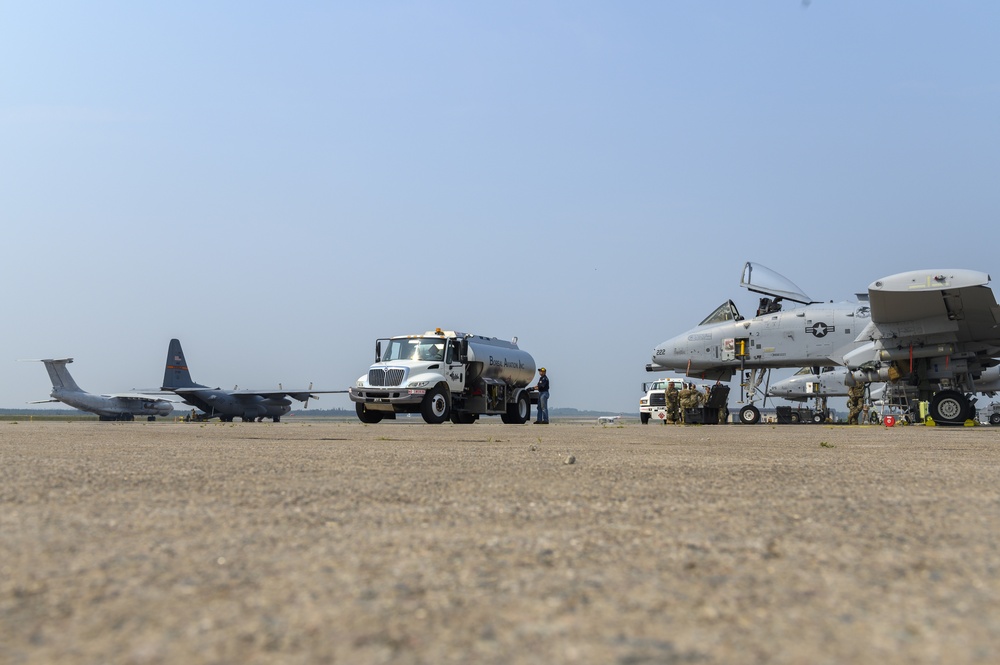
{"type": "Point", "coordinates": [402, 542]}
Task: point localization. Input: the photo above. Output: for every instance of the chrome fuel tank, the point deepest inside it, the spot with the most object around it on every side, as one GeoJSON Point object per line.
{"type": "Point", "coordinates": [498, 360]}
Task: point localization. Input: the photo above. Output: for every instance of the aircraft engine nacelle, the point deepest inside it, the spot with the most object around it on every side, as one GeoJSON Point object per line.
{"type": "Point", "coordinates": [162, 408]}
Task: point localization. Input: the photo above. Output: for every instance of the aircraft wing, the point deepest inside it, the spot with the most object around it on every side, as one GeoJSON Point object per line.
{"type": "Point", "coordinates": [301, 394]}
{"type": "Point", "coordinates": [43, 401]}
{"type": "Point", "coordinates": [931, 307]}
{"type": "Point", "coordinates": [139, 397]}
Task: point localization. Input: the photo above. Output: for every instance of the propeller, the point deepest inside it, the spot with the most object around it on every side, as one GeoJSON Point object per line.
{"type": "Point", "coordinates": [305, 403]}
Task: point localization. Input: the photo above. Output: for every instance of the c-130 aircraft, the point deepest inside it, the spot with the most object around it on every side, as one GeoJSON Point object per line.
{"type": "Point", "coordinates": [937, 330]}
{"type": "Point", "coordinates": [249, 405]}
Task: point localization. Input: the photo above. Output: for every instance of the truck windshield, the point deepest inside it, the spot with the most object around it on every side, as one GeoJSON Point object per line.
{"type": "Point", "coordinates": [418, 348]}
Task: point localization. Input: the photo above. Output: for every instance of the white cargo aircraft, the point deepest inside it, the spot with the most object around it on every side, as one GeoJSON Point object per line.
{"type": "Point", "coordinates": [120, 406]}
{"type": "Point", "coordinates": [936, 329]}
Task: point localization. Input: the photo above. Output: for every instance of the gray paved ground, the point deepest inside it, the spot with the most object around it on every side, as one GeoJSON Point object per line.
{"type": "Point", "coordinates": [410, 543]}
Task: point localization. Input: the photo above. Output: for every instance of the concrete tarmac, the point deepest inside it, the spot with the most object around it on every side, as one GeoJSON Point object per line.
{"type": "Point", "coordinates": [402, 542]}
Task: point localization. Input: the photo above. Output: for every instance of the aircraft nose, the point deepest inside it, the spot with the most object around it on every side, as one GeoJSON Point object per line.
{"type": "Point", "coordinates": [663, 354]}
{"type": "Point", "coordinates": [657, 353]}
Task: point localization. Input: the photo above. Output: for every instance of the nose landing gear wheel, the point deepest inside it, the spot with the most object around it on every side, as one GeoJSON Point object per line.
{"type": "Point", "coordinates": [749, 415]}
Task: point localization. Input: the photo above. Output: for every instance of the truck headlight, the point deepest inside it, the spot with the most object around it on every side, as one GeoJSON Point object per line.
{"type": "Point", "coordinates": [418, 384]}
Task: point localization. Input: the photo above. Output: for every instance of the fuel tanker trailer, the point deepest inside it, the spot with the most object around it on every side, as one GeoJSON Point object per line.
{"type": "Point", "coordinates": [442, 375]}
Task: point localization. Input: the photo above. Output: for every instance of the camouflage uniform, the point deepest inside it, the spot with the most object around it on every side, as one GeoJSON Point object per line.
{"type": "Point", "coordinates": [673, 403]}
{"type": "Point", "coordinates": [855, 398]}
{"type": "Point", "coordinates": [690, 398]}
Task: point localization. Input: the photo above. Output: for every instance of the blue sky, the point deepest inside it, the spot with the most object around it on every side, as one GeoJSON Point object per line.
{"type": "Point", "coordinates": [278, 185]}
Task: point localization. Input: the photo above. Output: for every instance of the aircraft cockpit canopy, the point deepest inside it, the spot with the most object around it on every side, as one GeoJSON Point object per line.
{"type": "Point", "coordinates": [725, 312]}
{"type": "Point", "coordinates": [805, 371]}
{"type": "Point", "coordinates": [761, 279]}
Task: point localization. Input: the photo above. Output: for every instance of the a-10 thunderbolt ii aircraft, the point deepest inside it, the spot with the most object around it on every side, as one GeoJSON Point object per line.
{"type": "Point", "coordinates": [937, 330]}
{"type": "Point", "coordinates": [821, 383]}
{"type": "Point", "coordinates": [810, 383]}
{"type": "Point", "coordinates": [249, 405]}
{"type": "Point", "coordinates": [726, 342]}
{"type": "Point", "coordinates": [813, 382]}
{"type": "Point", "coordinates": [120, 406]}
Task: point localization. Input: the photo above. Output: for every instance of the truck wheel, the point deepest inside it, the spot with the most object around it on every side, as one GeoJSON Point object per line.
{"type": "Point", "coordinates": [523, 409]}
{"type": "Point", "coordinates": [995, 419]}
{"type": "Point", "coordinates": [644, 418]}
{"type": "Point", "coordinates": [366, 416]}
{"type": "Point", "coordinates": [519, 412]}
{"type": "Point", "coordinates": [819, 417]}
{"type": "Point", "coordinates": [435, 408]}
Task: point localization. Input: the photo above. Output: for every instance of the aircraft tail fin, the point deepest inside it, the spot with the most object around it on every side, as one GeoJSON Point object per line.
{"type": "Point", "coordinates": [175, 373]}
{"type": "Point", "coordinates": [60, 376]}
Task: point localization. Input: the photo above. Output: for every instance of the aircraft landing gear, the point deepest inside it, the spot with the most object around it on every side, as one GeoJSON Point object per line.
{"type": "Point", "coordinates": [750, 389]}
{"type": "Point", "coordinates": [950, 407]}
{"type": "Point", "coordinates": [749, 415]}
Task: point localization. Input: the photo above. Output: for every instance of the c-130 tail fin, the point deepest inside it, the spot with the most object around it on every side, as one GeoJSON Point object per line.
{"type": "Point", "coordinates": [175, 373]}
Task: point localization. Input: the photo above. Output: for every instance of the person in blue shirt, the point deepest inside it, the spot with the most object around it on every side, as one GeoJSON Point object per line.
{"type": "Point", "coordinates": [543, 397]}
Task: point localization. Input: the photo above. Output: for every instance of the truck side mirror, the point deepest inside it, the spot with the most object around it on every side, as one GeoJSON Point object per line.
{"type": "Point", "coordinates": [378, 351]}
{"type": "Point", "coordinates": [463, 353]}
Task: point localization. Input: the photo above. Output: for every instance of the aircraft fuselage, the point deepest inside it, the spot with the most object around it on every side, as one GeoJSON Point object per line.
{"type": "Point", "coordinates": [814, 335]}
{"type": "Point", "coordinates": [219, 403]}
{"type": "Point", "coordinates": [112, 407]}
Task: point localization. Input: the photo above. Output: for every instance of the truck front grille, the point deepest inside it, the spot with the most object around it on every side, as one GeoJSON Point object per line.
{"type": "Point", "coordinates": [385, 377]}
{"type": "Point", "coordinates": [657, 399]}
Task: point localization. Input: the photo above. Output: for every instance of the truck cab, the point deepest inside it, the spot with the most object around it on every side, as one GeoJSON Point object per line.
{"type": "Point", "coordinates": [653, 404]}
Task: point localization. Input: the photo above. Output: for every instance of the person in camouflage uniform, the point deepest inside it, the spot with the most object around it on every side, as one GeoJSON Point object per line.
{"type": "Point", "coordinates": [855, 400]}
{"type": "Point", "coordinates": [673, 404]}
{"type": "Point", "coordinates": [690, 398]}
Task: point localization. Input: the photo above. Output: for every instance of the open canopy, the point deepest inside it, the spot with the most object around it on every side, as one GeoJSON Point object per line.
{"type": "Point", "coordinates": [761, 279]}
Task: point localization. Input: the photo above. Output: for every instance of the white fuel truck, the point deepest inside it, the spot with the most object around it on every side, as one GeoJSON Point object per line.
{"type": "Point", "coordinates": [442, 375]}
